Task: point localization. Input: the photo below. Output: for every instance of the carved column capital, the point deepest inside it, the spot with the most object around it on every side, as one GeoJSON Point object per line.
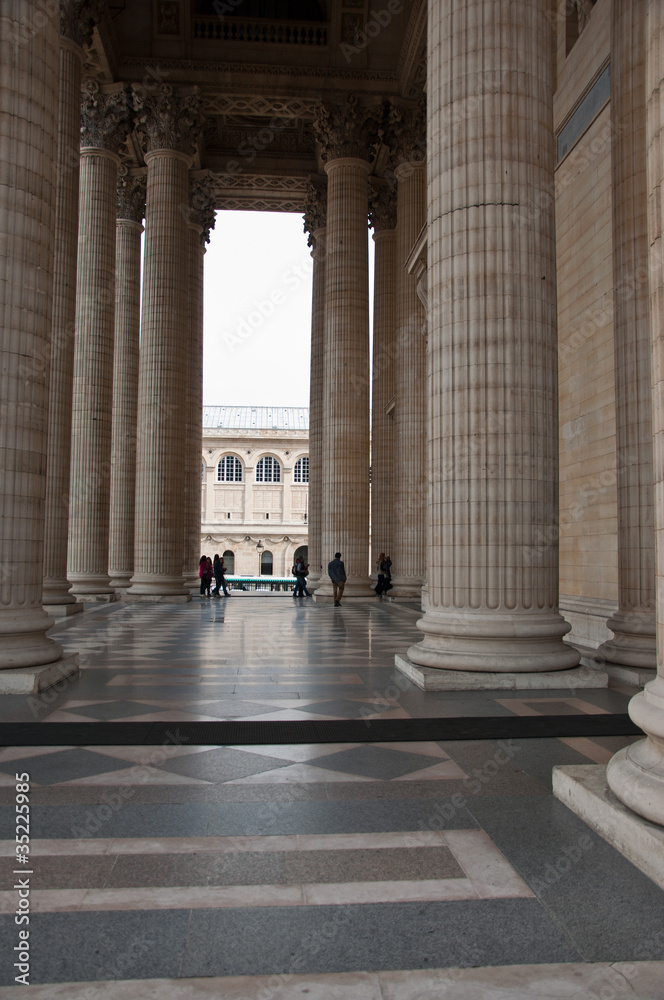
{"type": "Point", "coordinates": [168, 119]}
{"type": "Point", "coordinates": [106, 116]}
{"type": "Point", "coordinates": [131, 194]}
{"type": "Point", "coordinates": [406, 134]}
{"type": "Point", "coordinates": [315, 207]}
{"type": "Point", "coordinates": [348, 130]}
{"type": "Point", "coordinates": [78, 18]}
{"type": "Point", "coordinates": [202, 200]}
{"type": "Point", "coordinates": [382, 204]}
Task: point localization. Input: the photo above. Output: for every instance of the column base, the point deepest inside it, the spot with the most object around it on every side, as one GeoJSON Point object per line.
{"type": "Point", "coordinates": [634, 676]}
{"type": "Point", "coordinates": [97, 598]}
{"type": "Point", "coordinates": [32, 680]}
{"type": "Point", "coordinates": [156, 598]}
{"type": "Point", "coordinates": [633, 643]}
{"type": "Point", "coordinates": [406, 588]}
{"type": "Point", "coordinates": [435, 679]}
{"type": "Point", "coordinates": [63, 610]}
{"type": "Point", "coordinates": [121, 581]}
{"type": "Point", "coordinates": [314, 582]}
{"type": "Point", "coordinates": [353, 589]}
{"type": "Point", "coordinates": [584, 789]}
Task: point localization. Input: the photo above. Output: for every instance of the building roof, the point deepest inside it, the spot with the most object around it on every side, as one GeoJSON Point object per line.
{"type": "Point", "coordinates": [282, 418]}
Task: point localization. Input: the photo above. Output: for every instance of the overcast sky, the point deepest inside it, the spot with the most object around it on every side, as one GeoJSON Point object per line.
{"type": "Point", "coordinates": [257, 319]}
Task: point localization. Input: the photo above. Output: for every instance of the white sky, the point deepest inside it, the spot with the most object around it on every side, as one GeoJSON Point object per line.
{"type": "Point", "coordinates": [257, 312]}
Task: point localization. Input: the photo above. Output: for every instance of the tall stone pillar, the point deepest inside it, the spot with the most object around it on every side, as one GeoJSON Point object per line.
{"type": "Point", "coordinates": [28, 150]}
{"type": "Point", "coordinates": [77, 18]}
{"type": "Point", "coordinates": [170, 124]}
{"type": "Point", "coordinates": [493, 558]}
{"type": "Point", "coordinates": [314, 224]}
{"type": "Point", "coordinates": [636, 773]}
{"type": "Point", "coordinates": [106, 122]}
{"type": "Point", "coordinates": [383, 219]}
{"type": "Point", "coordinates": [410, 412]}
{"type": "Point", "coordinates": [345, 133]}
{"type": "Point", "coordinates": [633, 624]}
{"type": "Point", "coordinates": [130, 212]}
{"type": "Point", "coordinates": [201, 222]}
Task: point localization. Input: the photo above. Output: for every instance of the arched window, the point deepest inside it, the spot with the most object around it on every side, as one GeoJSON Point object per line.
{"type": "Point", "coordinates": [229, 560]}
{"type": "Point", "coordinates": [268, 470]}
{"type": "Point", "coordinates": [301, 553]}
{"type": "Point", "coordinates": [229, 470]}
{"type": "Point", "coordinates": [301, 470]}
{"type": "Point", "coordinates": [266, 563]}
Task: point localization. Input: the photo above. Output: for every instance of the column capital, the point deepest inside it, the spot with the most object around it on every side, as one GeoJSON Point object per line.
{"type": "Point", "coordinates": [78, 19]}
{"type": "Point", "coordinates": [315, 207]}
{"type": "Point", "coordinates": [348, 130]}
{"type": "Point", "coordinates": [131, 194]}
{"type": "Point", "coordinates": [106, 116]}
{"type": "Point", "coordinates": [382, 205]}
{"type": "Point", "coordinates": [202, 200]}
{"type": "Point", "coordinates": [406, 134]}
{"type": "Point", "coordinates": [168, 118]}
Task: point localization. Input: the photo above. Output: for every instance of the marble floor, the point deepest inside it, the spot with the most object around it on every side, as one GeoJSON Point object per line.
{"type": "Point", "coordinates": [408, 871]}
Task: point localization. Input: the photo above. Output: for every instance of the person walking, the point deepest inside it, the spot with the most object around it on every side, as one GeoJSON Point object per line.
{"type": "Point", "coordinates": [337, 574]}
{"type": "Point", "coordinates": [225, 587]}
{"type": "Point", "coordinates": [203, 575]}
{"type": "Point", "coordinates": [219, 571]}
{"type": "Point", "coordinates": [380, 566]}
{"type": "Point", "coordinates": [301, 569]}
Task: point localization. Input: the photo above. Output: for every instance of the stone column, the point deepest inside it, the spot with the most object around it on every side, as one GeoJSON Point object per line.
{"type": "Point", "coordinates": [29, 116]}
{"type": "Point", "coordinates": [410, 411]}
{"type": "Point", "coordinates": [345, 133]}
{"type": "Point", "coordinates": [636, 773]}
{"type": "Point", "coordinates": [106, 122]}
{"type": "Point", "coordinates": [130, 212]}
{"type": "Point", "coordinates": [169, 124]}
{"type": "Point", "coordinates": [77, 19]}
{"type": "Point", "coordinates": [633, 624]}
{"type": "Point", "coordinates": [383, 219]}
{"type": "Point", "coordinates": [492, 566]}
{"type": "Point", "coordinates": [314, 224]}
{"type": "Point", "coordinates": [201, 222]}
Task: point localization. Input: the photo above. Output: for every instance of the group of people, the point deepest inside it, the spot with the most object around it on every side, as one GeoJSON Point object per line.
{"type": "Point", "coordinates": [209, 570]}
{"type": "Point", "coordinates": [337, 574]}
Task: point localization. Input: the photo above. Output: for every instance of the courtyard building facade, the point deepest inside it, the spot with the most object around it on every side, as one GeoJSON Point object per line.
{"type": "Point", "coordinates": [255, 487]}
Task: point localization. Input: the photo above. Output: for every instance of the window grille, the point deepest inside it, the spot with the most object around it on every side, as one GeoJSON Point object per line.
{"type": "Point", "coordinates": [268, 470]}
{"type": "Point", "coordinates": [301, 470]}
{"type": "Point", "coordinates": [229, 470]}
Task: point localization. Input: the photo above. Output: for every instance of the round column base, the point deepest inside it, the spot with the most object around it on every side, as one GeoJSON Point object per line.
{"type": "Point", "coordinates": [633, 643]}
{"type": "Point", "coordinates": [354, 587]}
{"type": "Point", "coordinates": [636, 773]}
{"type": "Point", "coordinates": [504, 642]}
{"type": "Point", "coordinates": [23, 639]}
{"type": "Point", "coordinates": [57, 592]}
{"type": "Point", "coordinates": [406, 587]}
{"type": "Point", "coordinates": [120, 580]}
{"type": "Point", "coordinates": [91, 586]}
{"type": "Point", "coordinates": [148, 586]}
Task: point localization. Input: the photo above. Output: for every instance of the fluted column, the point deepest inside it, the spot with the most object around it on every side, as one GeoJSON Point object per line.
{"type": "Point", "coordinates": [28, 148]}
{"type": "Point", "coordinates": [344, 133]}
{"type": "Point", "coordinates": [493, 558]}
{"type": "Point", "coordinates": [106, 122]}
{"type": "Point", "coordinates": [130, 212]}
{"type": "Point", "coordinates": [76, 22]}
{"type": "Point", "coordinates": [201, 221]}
{"type": "Point", "coordinates": [170, 125]}
{"type": "Point", "coordinates": [383, 219]}
{"type": "Point", "coordinates": [410, 410]}
{"type": "Point", "coordinates": [633, 624]}
{"type": "Point", "coordinates": [636, 774]}
{"type": "Point", "coordinates": [314, 224]}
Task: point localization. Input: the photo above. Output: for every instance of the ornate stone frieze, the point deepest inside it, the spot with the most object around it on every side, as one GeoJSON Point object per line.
{"type": "Point", "coordinates": [315, 207]}
{"type": "Point", "coordinates": [406, 133]}
{"type": "Point", "coordinates": [348, 129]}
{"type": "Point", "coordinates": [168, 119]}
{"type": "Point", "coordinates": [256, 105]}
{"type": "Point", "coordinates": [106, 116]}
{"type": "Point", "coordinates": [78, 19]}
{"type": "Point", "coordinates": [202, 203]}
{"type": "Point", "coordinates": [131, 194]}
{"type": "Point", "coordinates": [382, 204]}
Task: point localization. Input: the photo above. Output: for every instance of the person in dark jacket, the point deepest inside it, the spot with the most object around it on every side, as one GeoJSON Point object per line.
{"type": "Point", "coordinates": [301, 569]}
{"type": "Point", "coordinates": [337, 574]}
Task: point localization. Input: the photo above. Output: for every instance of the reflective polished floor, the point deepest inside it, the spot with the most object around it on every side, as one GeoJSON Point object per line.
{"type": "Point", "coordinates": [401, 871]}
